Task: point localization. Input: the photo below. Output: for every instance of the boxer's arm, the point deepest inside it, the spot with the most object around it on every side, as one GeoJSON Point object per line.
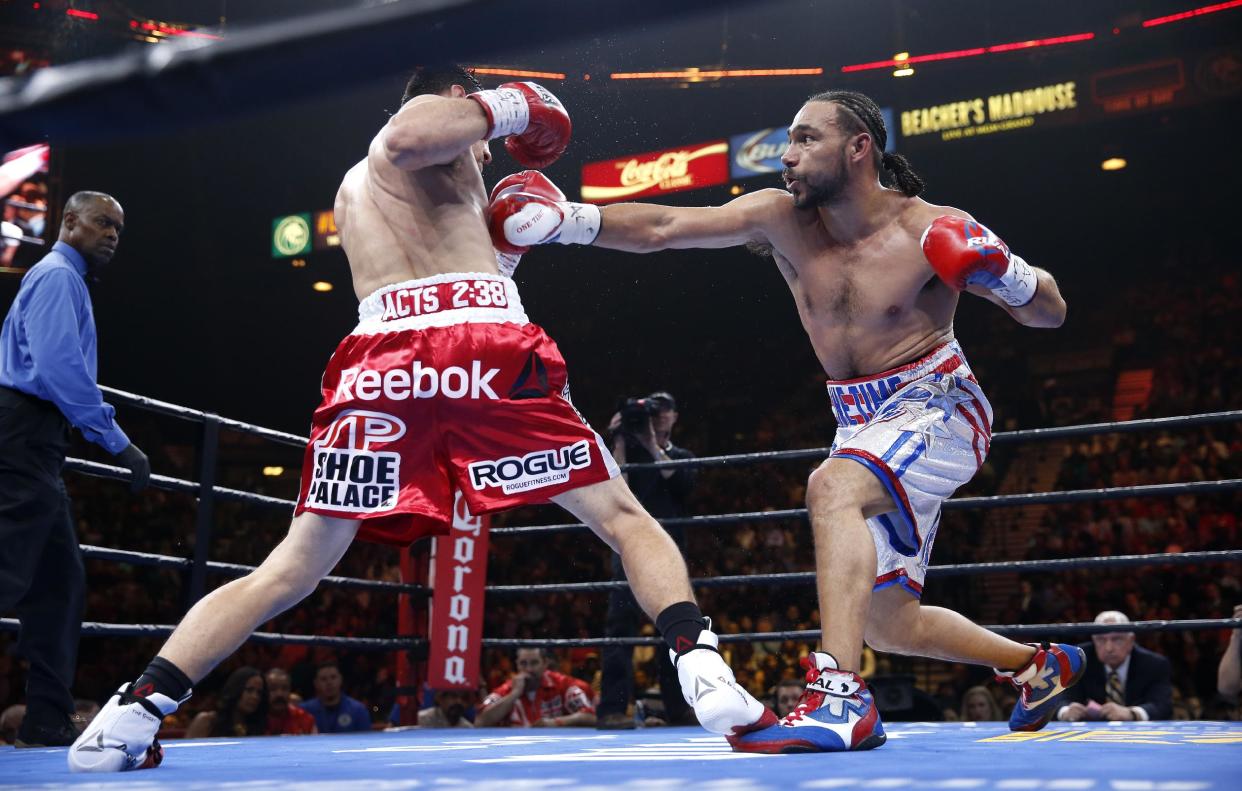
{"type": "Point", "coordinates": [645, 228]}
{"type": "Point", "coordinates": [1047, 309]}
{"type": "Point", "coordinates": [432, 130]}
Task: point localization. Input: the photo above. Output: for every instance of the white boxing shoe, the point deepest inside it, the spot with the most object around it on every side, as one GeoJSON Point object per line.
{"type": "Point", "coordinates": [122, 735]}
{"type": "Point", "coordinates": [721, 704]}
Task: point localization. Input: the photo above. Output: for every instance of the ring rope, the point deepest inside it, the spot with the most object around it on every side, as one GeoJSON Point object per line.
{"type": "Point", "coordinates": [408, 643]}
{"type": "Point", "coordinates": [814, 635]}
{"type": "Point", "coordinates": [950, 570]}
{"type": "Point", "coordinates": [1023, 435]}
{"type": "Point", "coordinates": [94, 629]}
{"type": "Point", "coordinates": [186, 413]}
{"type": "Point", "coordinates": [237, 569]}
{"type": "Point", "coordinates": [957, 503]}
{"type": "Point", "coordinates": [97, 470]}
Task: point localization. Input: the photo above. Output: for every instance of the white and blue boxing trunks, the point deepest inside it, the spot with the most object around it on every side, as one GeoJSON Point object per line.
{"type": "Point", "coordinates": [923, 429]}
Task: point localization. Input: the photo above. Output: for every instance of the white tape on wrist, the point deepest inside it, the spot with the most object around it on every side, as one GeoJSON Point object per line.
{"type": "Point", "coordinates": [1019, 283]}
{"type": "Point", "coordinates": [508, 110]}
{"type": "Point", "coordinates": [581, 224]}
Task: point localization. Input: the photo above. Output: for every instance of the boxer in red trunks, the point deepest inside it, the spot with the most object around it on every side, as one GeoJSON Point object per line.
{"type": "Point", "coordinates": [443, 384]}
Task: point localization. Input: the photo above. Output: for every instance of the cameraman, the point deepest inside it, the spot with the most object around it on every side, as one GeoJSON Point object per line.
{"type": "Point", "coordinates": [641, 434]}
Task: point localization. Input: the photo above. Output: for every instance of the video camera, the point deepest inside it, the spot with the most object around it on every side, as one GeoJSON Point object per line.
{"type": "Point", "coordinates": [636, 413]}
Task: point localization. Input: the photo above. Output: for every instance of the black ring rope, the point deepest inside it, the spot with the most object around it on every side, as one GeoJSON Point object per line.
{"type": "Point", "coordinates": [953, 570]}
{"type": "Point", "coordinates": [186, 413]}
{"type": "Point", "coordinates": [813, 635]}
{"type": "Point", "coordinates": [1022, 435]}
{"type": "Point", "coordinates": [413, 643]}
{"type": "Point", "coordinates": [93, 629]}
{"type": "Point", "coordinates": [97, 470]}
{"type": "Point", "coordinates": [237, 569]}
{"type": "Point", "coordinates": [957, 503]}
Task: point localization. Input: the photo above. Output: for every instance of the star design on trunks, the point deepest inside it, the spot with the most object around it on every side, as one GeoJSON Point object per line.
{"type": "Point", "coordinates": [943, 398]}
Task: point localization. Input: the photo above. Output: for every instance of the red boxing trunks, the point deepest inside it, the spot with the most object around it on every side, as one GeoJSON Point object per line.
{"type": "Point", "coordinates": [444, 385]}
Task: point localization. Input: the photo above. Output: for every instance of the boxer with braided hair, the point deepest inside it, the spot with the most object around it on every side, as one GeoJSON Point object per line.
{"type": "Point", "coordinates": [876, 274]}
{"type": "Point", "coordinates": [858, 113]}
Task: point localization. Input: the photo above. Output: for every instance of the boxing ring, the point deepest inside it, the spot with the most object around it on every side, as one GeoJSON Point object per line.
{"type": "Point", "coordinates": [1167, 756]}
{"type": "Point", "coordinates": [1173, 756]}
{"type": "Point", "coordinates": [1164, 756]}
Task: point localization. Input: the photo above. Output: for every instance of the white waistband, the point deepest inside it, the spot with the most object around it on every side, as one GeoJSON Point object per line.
{"type": "Point", "coordinates": [441, 301]}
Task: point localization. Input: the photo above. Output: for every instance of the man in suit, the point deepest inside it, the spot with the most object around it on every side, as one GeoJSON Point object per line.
{"type": "Point", "coordinates": [1122, 681]}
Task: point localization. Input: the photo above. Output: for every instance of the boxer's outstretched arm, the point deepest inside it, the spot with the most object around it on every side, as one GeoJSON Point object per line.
{"type": "Point", "coordinates": [432, 130]}
{"type": "Point", "coordinates": [645, 228]}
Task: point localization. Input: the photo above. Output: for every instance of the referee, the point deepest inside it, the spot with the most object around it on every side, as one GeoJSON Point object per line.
{"type": "Point", "coordinates": [47, 382]}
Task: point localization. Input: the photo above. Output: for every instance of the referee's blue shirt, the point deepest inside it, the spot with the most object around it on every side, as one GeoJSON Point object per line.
{"type": "Point", "coordinates": [47, 346]}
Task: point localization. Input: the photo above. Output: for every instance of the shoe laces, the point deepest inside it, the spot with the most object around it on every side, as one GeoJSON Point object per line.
{"type": "Point", "coordinates": [811, 698]}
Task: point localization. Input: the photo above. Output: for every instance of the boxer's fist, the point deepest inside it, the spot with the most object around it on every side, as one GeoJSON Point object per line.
{"type": "Point", "coordinates": [964, 253]}
{"type": "Point", "coordinates": [527, 209]}
{"type": "Point", "coordinates": [520, 220]}
{"type": "Point", "coordinates": [533, 120]}
{"type": "Point", "coordinates": [531, 181]}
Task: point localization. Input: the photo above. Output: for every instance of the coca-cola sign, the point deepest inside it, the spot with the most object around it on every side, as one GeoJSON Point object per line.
{"type": "Point", "coordinates": [656, 172]}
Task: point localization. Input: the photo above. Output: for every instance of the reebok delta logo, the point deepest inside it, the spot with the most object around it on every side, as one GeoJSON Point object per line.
{"type": "Point", "coordinates": [535, 470]}
{"type": "Point", "coordinates": [348, 475]}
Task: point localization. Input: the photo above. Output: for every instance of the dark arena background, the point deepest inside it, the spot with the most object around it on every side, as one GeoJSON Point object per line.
{"type": "Point", "coordinates": [1099, 139]}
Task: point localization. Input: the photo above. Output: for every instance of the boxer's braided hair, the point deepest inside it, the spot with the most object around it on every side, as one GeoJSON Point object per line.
{"type": "Point", "coordinates": [861, 114]}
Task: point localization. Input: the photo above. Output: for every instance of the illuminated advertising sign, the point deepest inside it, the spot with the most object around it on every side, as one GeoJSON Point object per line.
{"type": "Point", "coordinates": [656, 172]}
{"type": "Point", "coordinates": [459, 573]}
{"type": "Point", "coordinates": [759, 152]}
{"type": "Point", "coordinates": [984, 115]}
{"type": "Point", "coordinates": [291, 235]}
{"type": "Point", "coordinates": [326, 235]}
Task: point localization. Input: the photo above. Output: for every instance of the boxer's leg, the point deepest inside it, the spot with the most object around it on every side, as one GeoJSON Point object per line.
{"type": "Point", "coordinates": [222, 620]}
{"type": "Point", "coordinates": [658, 578]}
{"type": "Point", "coordinates": [899, 624]}
{"type": "Point", "coordinates": [122, 735]}
{"type": "Point", "coordinates": [840, 496]}
{"type": "Point", "coordinates": [653, 565]}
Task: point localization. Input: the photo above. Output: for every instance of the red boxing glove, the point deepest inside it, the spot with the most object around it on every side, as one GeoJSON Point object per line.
{"type": "Point", "coordinates": [965, 253]}
{"type": "Point", "coordinates": [531, 181]}
{"type": "Point", "coordinates": [527, 209]}
{"type": "Point", "coordinates": [533, 120]}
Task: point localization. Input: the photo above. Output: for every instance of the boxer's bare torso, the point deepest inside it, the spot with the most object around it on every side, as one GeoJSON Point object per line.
{"type": "Point", "coordinates": [399, 225]}
{"type": "Point", "coordinates": [868, 304]}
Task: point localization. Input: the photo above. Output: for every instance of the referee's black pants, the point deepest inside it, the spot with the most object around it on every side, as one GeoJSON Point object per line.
{"type": "Point", "coordinates": [41, 573]}
{"type": "Point", "coordinates": [617, 663]}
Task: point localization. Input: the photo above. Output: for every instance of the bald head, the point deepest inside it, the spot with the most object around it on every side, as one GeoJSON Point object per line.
{"type": "Point", "coordinates": [1112, 616]}
{"type": "Point", "coordinates": [81, 201]}
{"type": "Point", "coordinates": [92, 225]}
{"type": "Point", "coordinates": [1113, 648]}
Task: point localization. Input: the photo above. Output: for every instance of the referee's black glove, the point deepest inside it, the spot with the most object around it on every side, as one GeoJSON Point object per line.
{"type": "Point", "coordinates": [138, 464]}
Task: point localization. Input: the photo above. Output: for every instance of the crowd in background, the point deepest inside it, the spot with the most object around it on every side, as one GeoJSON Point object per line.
{"type": "Point", "coordinates": [1185, 331]}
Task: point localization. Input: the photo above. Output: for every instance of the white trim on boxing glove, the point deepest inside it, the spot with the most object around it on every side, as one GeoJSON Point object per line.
{"type": "Point", "coordinates": [581, 224]}
{"type": "Point", "coordinates": [507, 110]}
{"type": "Point", "coordinates": [1018, 284]}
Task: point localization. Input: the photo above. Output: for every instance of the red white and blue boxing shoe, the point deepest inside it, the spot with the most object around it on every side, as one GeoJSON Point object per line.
{"type": "Point", "coordinates": [835, 713]}
{"type": "Point", "coordinates": [1055, 668]}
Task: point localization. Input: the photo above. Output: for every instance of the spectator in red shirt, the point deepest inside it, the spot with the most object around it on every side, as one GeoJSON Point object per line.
{"type": "Point", "coordinates": [283, 717]}
{"type": "Point", "coordinates": [538, 697]}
